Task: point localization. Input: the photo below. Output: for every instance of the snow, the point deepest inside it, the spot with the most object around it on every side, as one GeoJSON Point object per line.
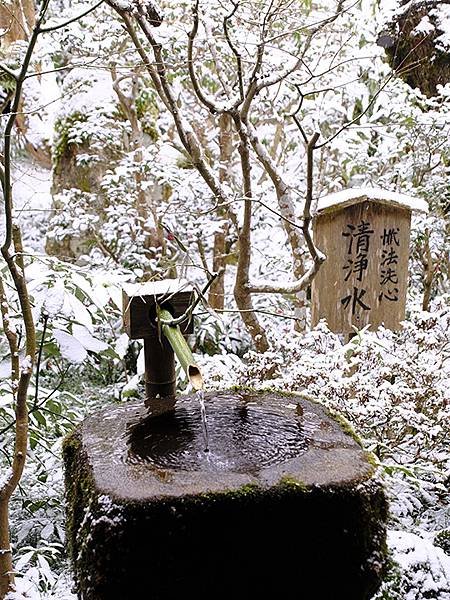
{"type": "Point", "coordinates": [4, 476]}
{"type": "Point", "coordinates": [424, 27]}
{"type": "Point", "coordinates": [54, 299]}
{"type": "Point", "coordinates": [43, 100]}
{"type": "Point", "coordinates": [156, 288]}
{"type": "Point", "coordinates": [355, 195]}
{"type": "Point", "coordinates": [126, 5]}
{"type": "Point", "coordinates": [440, 21]}
{"type": "Point", "coordinates": [79, 311]}
{"type": "Point", "coordinates": [27, 588]}
{"type": "Point", "coordinates": [71, 348]}
{"type": "Point", "coordinates": [84, 336]}
{"type": "Point", "coordinates": [86, 90]}
{"type": "Point", "coordinates": [121, 345]}
{"type": "Point", "coordinates": [428, 566]}
{"type": "Point", "coordinates": [32, 200]}
{"type": "Point", "coordinates": [442, 15]}
{"type": "Point", "coordinates": [26, 365]}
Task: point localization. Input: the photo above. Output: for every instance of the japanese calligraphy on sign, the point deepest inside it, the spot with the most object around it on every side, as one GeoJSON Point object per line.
{"type": "Point", "coordinates": [364, 279]}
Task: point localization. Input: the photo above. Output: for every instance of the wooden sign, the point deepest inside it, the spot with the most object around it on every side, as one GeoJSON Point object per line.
{"type": "Point", "coordinates": [365, 276]}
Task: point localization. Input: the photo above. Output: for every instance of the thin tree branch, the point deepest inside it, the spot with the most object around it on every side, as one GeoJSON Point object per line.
{"type": "Point", "coordinates": [213, 109]}
{"type": "Point", "coordinates": [234, 50]}
{"type": "Point", "coordinates": [188, 312]}
{"type": "Point", "coordinates": [38, 363]}
{"type": "Point", "coordinates": [142, 53]}
{"type": "Point", "coordinates": [202, 254]}
{"type": "Point", "coordinates": [318, 25]}
{"type": "Point", "coordinates": [374, 98]}
{"type": "Point", "coordinates": [80, 16]}
{"type": "Point", "coordinates": [213, 50]}
{"type": "Point", "coordinates": [186, 134]}
{"type": "Point", "coordinates": [256, 310]}
{"type": "Point", "coordinates": [316, 255]}
{"type": "Point", "coordinates": [361, 114]}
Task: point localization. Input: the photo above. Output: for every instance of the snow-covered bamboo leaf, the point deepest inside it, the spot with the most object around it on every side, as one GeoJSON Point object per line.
{"type": "Point", "coordinates": [70, 347]}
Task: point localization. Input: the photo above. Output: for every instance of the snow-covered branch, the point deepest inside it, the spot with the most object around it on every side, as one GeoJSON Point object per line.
{"type": "Point", "coordinates": [286, 207]}
{"type": "Point", "coordinates": [10, 72]}
{"type": "Point", "coordinates": [49, 28]}
{"type": "Point", "coordinates": [204, 99]}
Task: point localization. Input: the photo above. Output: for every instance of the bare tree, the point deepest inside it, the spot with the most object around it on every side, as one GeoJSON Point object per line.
{"type": "Point", "coordinates": [12, 252]}
{"type": "Point", "coordinates": [243, 76]}
{"type": "Point", "coordinates": [145, 203]}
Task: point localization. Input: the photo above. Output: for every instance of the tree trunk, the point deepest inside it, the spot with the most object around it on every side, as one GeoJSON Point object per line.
{"type": "Point", "coordinates": [17, 17]}
{"type": "Point", "coordinates": [6, 568]}
{"type": "Point", "coordinates": [217, 290]}
{"type": "Point", "coordinates": [428, 274]}
{"type": "Point", "coordinates": [242, 294]}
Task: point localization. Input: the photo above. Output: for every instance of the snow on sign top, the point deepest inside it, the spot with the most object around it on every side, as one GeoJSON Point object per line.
{"type": "Point", "coordinates": [157, 288]}
{"type": "Point", "coordinates": [357, 195]}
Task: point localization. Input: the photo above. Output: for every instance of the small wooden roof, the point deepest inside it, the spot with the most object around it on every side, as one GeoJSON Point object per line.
{"type": "Point", "coordinates": [339, 200]}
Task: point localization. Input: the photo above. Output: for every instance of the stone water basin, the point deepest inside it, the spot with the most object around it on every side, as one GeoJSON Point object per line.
{"type": "Point", "coordinates": [284, 504]}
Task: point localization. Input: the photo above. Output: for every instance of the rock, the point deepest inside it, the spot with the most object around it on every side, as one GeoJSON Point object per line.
{"type": "Point", "coordinates": [152, 515]}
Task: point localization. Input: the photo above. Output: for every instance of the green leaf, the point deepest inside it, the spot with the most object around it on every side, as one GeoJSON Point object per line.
{"type": "Point", "coordinates": [39, 418]}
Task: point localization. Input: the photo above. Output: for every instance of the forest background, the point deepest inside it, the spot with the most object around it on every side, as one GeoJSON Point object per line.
{"type": "Point", "coordinates": [197, 146]}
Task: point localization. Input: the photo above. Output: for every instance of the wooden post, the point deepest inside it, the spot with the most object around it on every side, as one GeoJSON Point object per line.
{"type": "Point", "coordinates": [365, 236]}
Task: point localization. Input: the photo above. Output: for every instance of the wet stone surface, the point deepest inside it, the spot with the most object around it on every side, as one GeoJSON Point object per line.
{"type": "Point", "coordinates": [253, 439]}
{"type": "Point", "coordinates": [281, 479]}
{"type": "Point", "coordinates": [242, 437]}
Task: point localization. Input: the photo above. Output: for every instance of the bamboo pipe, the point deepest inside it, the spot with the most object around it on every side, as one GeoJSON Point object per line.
{"type": "Point", "coordinates": [179, 345]}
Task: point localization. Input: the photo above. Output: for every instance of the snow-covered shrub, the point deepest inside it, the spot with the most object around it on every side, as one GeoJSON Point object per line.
{"type": "Point", "coordinates": [78, 326]}
{"type": "Point", "coordinates": [81, 348]}
{"type": "Point", "coordinates": [419, 570]}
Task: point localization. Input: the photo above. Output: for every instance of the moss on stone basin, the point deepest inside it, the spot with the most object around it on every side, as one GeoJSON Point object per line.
{"type": "Point", "coordinates": [300, 517]}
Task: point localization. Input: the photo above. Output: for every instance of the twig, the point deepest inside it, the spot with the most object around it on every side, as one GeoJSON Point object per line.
{"type": "Point", "coordinates": [213, 109]}
{"type": "Point", "coordinates": [256, 310]}
{"type": "Point", "coordinates": [80, 16]}
{"type": "Point", "coordinates": [38, 363]}
{"type": "Point", "coordinates": [188, 312]}
{"type": "Point", "coordinates": [234, 50]}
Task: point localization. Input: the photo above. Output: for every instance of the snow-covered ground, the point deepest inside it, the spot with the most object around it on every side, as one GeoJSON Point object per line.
{"type": "Point", "coordinates": [402, 137]}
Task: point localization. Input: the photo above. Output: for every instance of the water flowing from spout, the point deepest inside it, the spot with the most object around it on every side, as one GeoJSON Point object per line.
{"type": "Point", "coordinates": [201, 398]}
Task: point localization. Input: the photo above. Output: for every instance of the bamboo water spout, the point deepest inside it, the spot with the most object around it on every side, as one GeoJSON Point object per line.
{"type": "Point", "coordinates": [161, 313]}
{"type": "Point", "coordinates": [180, 347]}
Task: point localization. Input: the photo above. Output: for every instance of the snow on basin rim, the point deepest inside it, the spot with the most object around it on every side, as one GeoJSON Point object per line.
{"type": "Point", "coordinates": [354, 195]}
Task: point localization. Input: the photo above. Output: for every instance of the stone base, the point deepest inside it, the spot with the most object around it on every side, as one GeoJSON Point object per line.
{"type": "Point", "coordinates": [311, 527]}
